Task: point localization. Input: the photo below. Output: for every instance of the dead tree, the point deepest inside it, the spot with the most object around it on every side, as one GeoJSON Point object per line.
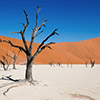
{"type": "Point", "coordinates": [51, 63]}
{"type": "Point", "coordinates": [68, 63]}
{"type": "Point", "coordinates": [86, 63]}
{"type": "Point", "coordinates": [92, 63]}
{"type": "Point", "coordinates": [71, 64]}
{"type": "Point", "coordinates": [59, 63]}
{"type": "Point", "coordinates": [14, 57]}
{"type": "Point", "coordinates": [4, 62]}
{"type": "Point", "coordinates": [28, 49]}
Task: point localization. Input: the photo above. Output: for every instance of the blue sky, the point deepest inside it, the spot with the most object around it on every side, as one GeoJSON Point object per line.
{"type": "Point", "coordinates": [76, 20]}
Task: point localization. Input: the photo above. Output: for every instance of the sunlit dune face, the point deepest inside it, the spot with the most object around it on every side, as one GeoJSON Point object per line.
{"type": "Point", "coordinates": [67, 52]}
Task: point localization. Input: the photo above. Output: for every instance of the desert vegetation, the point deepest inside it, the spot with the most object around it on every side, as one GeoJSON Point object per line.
{"type": "Point", "coordinates": [28, 49]}
{"type": "Point", "coordinates": [5, 63]}
{"type": "Point", "coordinates": [92, 62]}
{"type": "Point", "coordinates": [51, 63]}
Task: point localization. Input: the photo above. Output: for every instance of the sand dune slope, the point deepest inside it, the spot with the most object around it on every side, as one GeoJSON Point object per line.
{"type": "Point", "coordinates": [67, 52]}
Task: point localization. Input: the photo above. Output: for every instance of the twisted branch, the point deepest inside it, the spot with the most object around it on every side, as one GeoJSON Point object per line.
{"type": "Point", "coordinates": [2, 62]}
{"type": "Point", "coordinates": [23, 32]}
{"type": "Point", "coordinates": [38, 34]}
{"type": "Point", "coordinates": [35, 30]}
{"type": "Point", "coordinates": [53, 33]}
{"type": "Point", "coordinates": [9, 42]}
{"type": "Point", "coordinates": [41, 47]}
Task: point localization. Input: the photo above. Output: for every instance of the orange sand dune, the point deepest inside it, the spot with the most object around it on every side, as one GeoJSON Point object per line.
{"type": "Point", "coordinates": [67, 52]}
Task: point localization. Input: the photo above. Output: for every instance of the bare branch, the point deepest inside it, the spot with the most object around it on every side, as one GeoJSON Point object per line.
{"type": "Point", "coordinates": [15, 56]}
{"type": "Point", "coordinates": [25, 26]}
{"type": "Point", "coordinates": [53, 33]}
{"type": "Point", "coordinates": [92, 63]}
{"type": "Point", "coordinates": [56, 33]}
{"type": "Point", "coordinates": [43, 24]}
{"type": "Point", "coordinates": [23, 32]}
{"type": "Point", "coordinates": [11, 57]}
{"type": "Point", "coordinates": [47, 45]}
{"type": "Point", "coordinates": [41, 47]}
{"type": "Point", "coordinates": [34, 31]}
{"type": "Point", "coordinates": [8, 54]}
{"type": "Point", "coordinates": [37, 18]}
{"type": "Point", "coordinates": [18, 54]}
{"type": "Point", "coordinates": [2, 62]}
{"type": "Point", "coordinates": [38, 34]}
{"type": "Point", "coordinates": [15, 32]}
{"type": "Point", "coordinates": [24, 41]}
{"type": "Point", "coordinates": [4, 59]}
{"type": "Point", "coordinates": [9, 42]}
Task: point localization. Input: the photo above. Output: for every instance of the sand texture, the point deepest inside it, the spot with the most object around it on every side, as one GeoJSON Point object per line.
{"type": "Point", "coordinates": [76, 82]}
{"type": "Point", "coordinates": [67, 52]}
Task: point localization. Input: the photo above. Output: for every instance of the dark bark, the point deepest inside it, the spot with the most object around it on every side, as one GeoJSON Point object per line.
{"type": "Point", "coordinates": [15, 58]}
{"type": "Point", "coordinates": [14, 64]}
{"type": "Point", "coordinates": [28, 50]}
{"type": "Point", "coordinates": [92, 63]}
{"type": "Point", "coordinates": [28, 74]}
{"type": "Point", "coordinates": [4, 62]}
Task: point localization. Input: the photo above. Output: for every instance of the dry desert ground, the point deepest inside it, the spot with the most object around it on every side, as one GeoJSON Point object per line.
{"type": "Point", "coordinates": [76, 82]}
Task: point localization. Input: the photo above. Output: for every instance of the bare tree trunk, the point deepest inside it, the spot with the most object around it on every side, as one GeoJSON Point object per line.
{"type": "Point", "coordinates": [9, 63]}
{"type": "Point", "coordinates": [4, 63]}
{"type": "Point", "coordinates": [68, 63]}
{"type": "Point", "coordinates": [15, 58]}
{"type": "Point", "coordinates": [92, 63]}
{"type": "Point", "coordinates": [14, 64]}
{"type": "Point", "coordinates": [4, 68]}
{"type": "Point", "coordinates": [28, 74]}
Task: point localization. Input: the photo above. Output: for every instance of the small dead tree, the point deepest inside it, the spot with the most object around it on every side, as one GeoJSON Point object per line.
{"type": "Point", "coordinates": [92, 62]}
{"type": "Point", "coordinates": [68, 63]}
{"type": "Point", "coordinates": [71, 64]}
{"type": "Point", "coordinates": [50, 63]}
{"type": "Point", "coordinates": [86, 63]}
{"type": "Point", "coordinates": [4, 62]}
{"type": "Point", "coordinates": [59, 63]}
{"type": "Point", "coordinates": [28, 49]}
{"type": "Point", "coordinates": [14, 57]}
